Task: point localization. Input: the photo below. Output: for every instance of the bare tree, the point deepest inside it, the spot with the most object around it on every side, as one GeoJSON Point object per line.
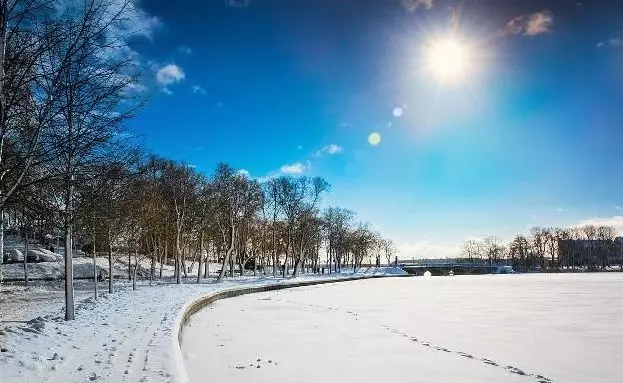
{"type": "Point", "coordinates": [91, 103]}
{"type": "Point", "coordinates": [471, 249]}
{"type": "Point", "coordinates": [238, 199]}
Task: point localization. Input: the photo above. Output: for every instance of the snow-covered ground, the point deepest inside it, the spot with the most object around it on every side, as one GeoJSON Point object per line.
{"type": "Point", "coordinates": [489, 328]}
{"type": "Point", "coordinates": [128, 336]}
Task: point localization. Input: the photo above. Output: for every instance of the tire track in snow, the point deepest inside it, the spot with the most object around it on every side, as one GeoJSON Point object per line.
{"type": "Point", "coordinates": [508, 368]}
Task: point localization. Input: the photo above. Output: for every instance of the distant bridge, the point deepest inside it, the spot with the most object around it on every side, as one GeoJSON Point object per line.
{"type": "Point", "coordinates": [446, 267]}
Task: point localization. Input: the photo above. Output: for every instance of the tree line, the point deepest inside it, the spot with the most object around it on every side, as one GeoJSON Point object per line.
{"type": "Point", "coordinates": [584, 247]}
{"type": "Point", "coordinates": [67, 86]}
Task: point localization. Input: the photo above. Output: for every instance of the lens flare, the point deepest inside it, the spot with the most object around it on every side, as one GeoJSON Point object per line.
{"type": "Point", "coordinates": [374, 139]}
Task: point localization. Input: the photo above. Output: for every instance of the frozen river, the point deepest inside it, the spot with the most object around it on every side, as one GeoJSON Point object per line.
{"type": "Point", "coordinates": [491, 328]}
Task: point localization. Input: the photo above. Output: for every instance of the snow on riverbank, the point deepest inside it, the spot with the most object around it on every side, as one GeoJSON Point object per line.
{"type": "Point", "coordinates": [490, 328]}
{"type": "Point", "coordinates": [128, 336]}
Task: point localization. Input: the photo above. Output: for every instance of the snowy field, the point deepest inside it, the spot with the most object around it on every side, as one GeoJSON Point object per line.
{"type": "Point", "coordinates": [490, 328]}
{"type": "Point", "coordinates": [128, 336]}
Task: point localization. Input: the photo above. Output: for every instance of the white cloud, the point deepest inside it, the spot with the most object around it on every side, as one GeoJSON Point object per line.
{"type": "Point", "coordinates": [613, 42]}
{"type": "Point", "coordinates": [198, 89]}
{"type": "Point", "coordinates": [615, 221]}
{"type": "Point", "coordinates": [532, 24]}
{"type": "Point", "coordinates": [185, 50]}
{"type": "Point", "coordinates": [295, 168]}
{"type": "Point", "coordinates": [170, 74]}
{"type": "Point", "coordinates": [167, 91]}
{"type": "Point", "coordinates": [244, 172]}
{"type": "Point", "coordinates": [413, 5]}
{"type": "Point", "coordinates": [426, 249]}
{"type": "Point", "coordinates": [134, 88]}
{"type": "Point", "coordinates": [330, 150]}
{"type": "Point", "coordinates": [132, 21]}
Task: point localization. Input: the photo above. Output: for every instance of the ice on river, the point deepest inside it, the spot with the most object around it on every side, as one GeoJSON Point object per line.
{"type": "Point", "coordinates": [492, 328]}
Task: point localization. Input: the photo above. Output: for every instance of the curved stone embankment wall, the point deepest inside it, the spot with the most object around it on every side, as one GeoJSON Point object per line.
{"type": "Point", "coordinates": [200, 303]}
{"type": "Point", "coordinates": [204, 301]}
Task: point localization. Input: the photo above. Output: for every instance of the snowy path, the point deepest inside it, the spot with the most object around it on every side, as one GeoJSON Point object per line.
{"type": "Point", "coordinates": [521, 328]}
{"type": "Point", "coordinates": [124, 337]}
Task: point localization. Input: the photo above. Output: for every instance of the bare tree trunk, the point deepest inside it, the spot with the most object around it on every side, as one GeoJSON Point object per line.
{"type": "Point", "coordinates": [110, 267]}
{"type": "Point", "coordinates": [69, 273]}
{"type": "Point", "coordinates": [231, 266]}
{"type": "Point", "coordinates": [274, 242]}
{"type": "Point", "coordinates": [166, 255]}
{"type": "Point", "coordinates": [152, 266]}
{"type": "Point", "coordinates": [200, 256]}
{"type": "Point", "coordinates": [206, 272]}
{"type": "Point", "coordinates": [94, 264]}
{"type": "Point", "coordinates": [3, 112]}
{"type": "Point", "coordinates": [1, 241]}
{"type": "Point", "coordinates": [227, 255]}
{"type": "Point", "coordinates": [135, 267]}
{"type": "Point", "coordinates": [69, 269]}
{"type": "Point", "coordinates": [129, 264]}
{"type": "Point", "coordinates": [285, 262]}
{"type": "Point", "coordinates": [26, 257]}
{"type": "Point", "coordinates": [178, 275]}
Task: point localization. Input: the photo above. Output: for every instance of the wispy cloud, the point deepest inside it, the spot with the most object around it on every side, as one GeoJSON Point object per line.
{"type": "Point", "coordinates": [329, 149]}
{"type": "Point", "coordinates": [134, 21]}
{"type": "Point", "coordinates": [560, 209]}
{"type": "Point", "coordinates": [612, 42]}
{"type": "Point", "coordinates": [198, 89]}
{"type": "Point", "coordinates": [170, 74]}
{"type": "Point", "coordinates": [295, 168]}
{"type": "Point", "coordinates": [531, 25]}
{"type": "Point", "coordinates": [237, 3]}
{"type": "Point", "coordinates": [167, 91]}
{"type": "Point", "coordinates": [244, 172]}
{"type": "Point", "coordinates": [413, 5]}
{"type": "Point", "coordinates": [185, 50]}
{"type": "Point", "coordinates": [343, 125]}
{"type": "Point", "coordinates": [134, 88]}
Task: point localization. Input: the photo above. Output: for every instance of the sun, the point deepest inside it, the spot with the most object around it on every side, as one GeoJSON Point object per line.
{"type": "Point", "coordinates": [448, 60]}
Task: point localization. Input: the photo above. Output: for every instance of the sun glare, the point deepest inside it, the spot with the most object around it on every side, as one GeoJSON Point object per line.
{"type": "Point", "coordinates": [448, 60]}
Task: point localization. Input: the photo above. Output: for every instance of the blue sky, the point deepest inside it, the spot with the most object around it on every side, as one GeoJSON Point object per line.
{"type": "Point", "coordinates": [530, 135]}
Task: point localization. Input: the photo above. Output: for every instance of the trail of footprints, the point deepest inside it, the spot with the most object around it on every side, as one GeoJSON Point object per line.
{"type": "Point", "coordinates": [258, 363]}
{"type": "Point", "coordinates": [511, 369]}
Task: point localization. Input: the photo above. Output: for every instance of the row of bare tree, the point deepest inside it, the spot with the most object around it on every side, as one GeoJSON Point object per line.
{"type": "Point", "coordinates": [68, 83]}
{"type": "Point", "coordinates": [588, 247]}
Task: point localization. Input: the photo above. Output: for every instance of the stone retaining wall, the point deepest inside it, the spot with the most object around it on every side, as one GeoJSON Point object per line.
{"type": "Point", "coordinates": [202, 302]}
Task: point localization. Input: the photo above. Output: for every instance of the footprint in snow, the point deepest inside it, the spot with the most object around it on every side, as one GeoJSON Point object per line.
{"type": "Point", "coordinates": [515, 370]}
{"type": "Point", "coordinates": [490, 362]}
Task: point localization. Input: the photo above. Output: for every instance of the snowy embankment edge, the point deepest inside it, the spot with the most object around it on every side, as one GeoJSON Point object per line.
{"type": "Point", "coordinates": [192, 307]}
